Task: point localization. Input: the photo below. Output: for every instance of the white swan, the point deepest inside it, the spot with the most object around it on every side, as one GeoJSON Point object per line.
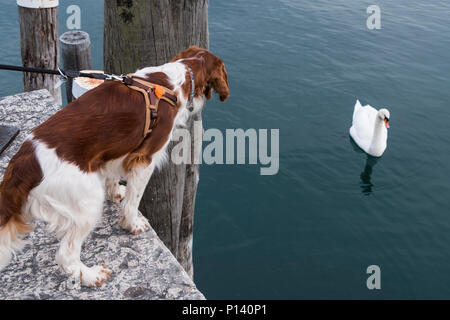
{"type": "Point", "coordinates": [369, 129]}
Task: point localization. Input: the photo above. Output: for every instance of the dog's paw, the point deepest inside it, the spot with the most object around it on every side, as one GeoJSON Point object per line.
{"type": "Point", "coordinates": [95, 276]}
{"type": "Point", "coordinates": [135, 225]}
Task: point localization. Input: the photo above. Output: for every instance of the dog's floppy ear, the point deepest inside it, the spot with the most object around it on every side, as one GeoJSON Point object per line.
{"type": "Point", "coordinates": [210, 72]}
{"type": "Point", "coordinates": [218, 80]}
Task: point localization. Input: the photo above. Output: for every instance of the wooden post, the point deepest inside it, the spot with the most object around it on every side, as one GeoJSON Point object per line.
{"type": "Point", "coordinates": [38, 20]}
{"type": "Point", "coordinates": [141, 33]}
{"type": "Point", "coordinates": [76, 55]}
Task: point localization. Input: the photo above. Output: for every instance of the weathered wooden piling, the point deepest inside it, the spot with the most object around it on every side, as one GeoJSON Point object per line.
{"type": "Point", "coordinates": [75, 54]}
{"type": "Point", "coordinates": [147, 33]}
{"type": "Point", "coordinates": [38, 20]}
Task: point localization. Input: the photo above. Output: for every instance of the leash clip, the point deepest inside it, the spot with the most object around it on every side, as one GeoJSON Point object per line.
{"type": "Point", "coordinates": [62, 73]}
{"type": "Point", "coordinates": [109, 77]}
{"type": "Point", "coordinates": [62, 79]}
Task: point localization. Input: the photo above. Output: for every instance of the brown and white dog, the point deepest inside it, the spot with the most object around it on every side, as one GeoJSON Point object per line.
{"type": "Point", "coordinates": [67, 164]}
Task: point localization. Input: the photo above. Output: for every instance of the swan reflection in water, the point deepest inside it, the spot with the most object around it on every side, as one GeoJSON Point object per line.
{"type": "Point", "coordinates": [366, 183]}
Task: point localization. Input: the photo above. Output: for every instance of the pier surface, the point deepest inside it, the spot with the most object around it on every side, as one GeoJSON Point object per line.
{"type": "Point", "coordinates": [143, 268]}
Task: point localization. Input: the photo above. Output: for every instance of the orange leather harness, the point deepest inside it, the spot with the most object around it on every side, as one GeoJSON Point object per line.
{"type": "Point", "coordinates": [152, 93]}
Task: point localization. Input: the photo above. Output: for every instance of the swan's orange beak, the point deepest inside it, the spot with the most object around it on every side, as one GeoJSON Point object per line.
{"type": "Point", "coordinates": [386, 122]}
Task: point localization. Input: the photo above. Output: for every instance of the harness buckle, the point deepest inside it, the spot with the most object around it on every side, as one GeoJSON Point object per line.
{"type": "Point", "coordinates": [127, 80]}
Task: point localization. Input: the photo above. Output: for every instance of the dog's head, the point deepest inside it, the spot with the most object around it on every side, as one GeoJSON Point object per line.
{"type": "Point", "coordinates": [209, 72]}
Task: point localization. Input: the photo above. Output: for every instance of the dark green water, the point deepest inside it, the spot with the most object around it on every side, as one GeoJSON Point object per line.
{"type": "Point", "coordinates": [312, 230]}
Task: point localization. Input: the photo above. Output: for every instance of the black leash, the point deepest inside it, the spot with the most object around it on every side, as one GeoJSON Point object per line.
{"type": "Point", "coordinates": [66, 74]}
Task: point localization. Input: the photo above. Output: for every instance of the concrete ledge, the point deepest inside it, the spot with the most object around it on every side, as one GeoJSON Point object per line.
{"type": "Point", "coordinates": [143, 268]}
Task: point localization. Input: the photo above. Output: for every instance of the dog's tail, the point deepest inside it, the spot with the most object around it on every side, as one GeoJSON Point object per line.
{"type": "Point", "coordinates": [22, 175]}
{"type": "Point", "coordinates": [11, 239]}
